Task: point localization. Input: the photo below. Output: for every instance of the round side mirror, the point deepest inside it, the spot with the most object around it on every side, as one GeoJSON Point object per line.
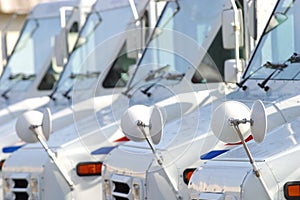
{"type": "Point", "coordinates": [156, 123]}
{"type": "Point", "coordinates": [221, 126]}
{"type": "Point", "coordinates": [41, 122]}
{"type": "Point", "coordinates": [151, 117]}
{"type": "Point", "coordinates": [47, 123]}
{"type": "Point", "coordinates": [25, 121]}
{"type": "Point", "coordinates": [130, 119]}
{"type": "Point", "coordinates": [259, 118]}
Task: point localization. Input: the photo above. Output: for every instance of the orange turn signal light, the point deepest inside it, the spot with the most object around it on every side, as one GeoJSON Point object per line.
{"type": "Point", "coordinates": [187, 174]}
{"type": "Point", "coordinates": [89, 168]}
{"type": "Point", "coordinates": [292, 190]}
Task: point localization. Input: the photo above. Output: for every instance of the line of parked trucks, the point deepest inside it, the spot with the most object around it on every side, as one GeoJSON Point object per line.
{"type": "Point", "coordinates": [132, 100]}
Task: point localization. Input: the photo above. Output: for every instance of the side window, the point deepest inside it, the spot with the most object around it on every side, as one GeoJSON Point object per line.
{"type": "Point", "coordinates": [212, 65]}
{"type": "Point", "coordinates": [118, 73]}
{"type": "Point", "coordinates": [72, 36]}
{"type": "Point", "coordinates": [52, 74]}
{"type": "Point", "coordinates": [50, 78]}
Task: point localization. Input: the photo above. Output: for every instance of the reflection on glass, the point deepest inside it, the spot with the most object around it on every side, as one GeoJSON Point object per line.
{"type": "Point", "coordinates": [93, 47]}
{"type": "Point", "coordinates": [194, 20]}
{"type": "Point", "coordinates": [32, 51]}
{"type": "Point", "coordinates": [278, 45]}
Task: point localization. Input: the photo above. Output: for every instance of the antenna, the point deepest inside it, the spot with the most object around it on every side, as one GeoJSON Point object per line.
{"type": "Point", "coordinates": [258, 124]}
{"type": "Point", "coordinates": [141, 123]}
{"type": "Point", "coordinates": [34, 126]}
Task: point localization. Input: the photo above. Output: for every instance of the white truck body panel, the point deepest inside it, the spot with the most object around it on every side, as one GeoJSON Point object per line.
{"type": "Point", "coordinates": [33, 56]}
{"type": "Point", "coordinates": [95, 134]}
{"type": "Point", "coordinates": [109, 39]}
{"type": "Point", "coordinates": [231, 175]}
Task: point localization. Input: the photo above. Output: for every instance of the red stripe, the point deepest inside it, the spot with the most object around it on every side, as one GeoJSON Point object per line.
{"type": "Point", "coordinates": [238, 143]}
{"type": "Point", "coordinates": [122, 139]}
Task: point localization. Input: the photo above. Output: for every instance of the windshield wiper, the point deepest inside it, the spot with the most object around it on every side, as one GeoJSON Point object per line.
{"type": "Point", "coordinates": [17, 77]}
{"type": "Point", "coordinates": [295, 58]}
{"type": "Point", "coordinates": [168, 76]}
{"type": "Point", "coordinates": [276, 67]}
{"type": "Point", "coordinates": [73, 76]}
{"type": "Point", "coordinates": [84, 75]}
{"type": "Point", "coordinates": [66, 93]}
{"type": "Point", "coordinates": [79, 76]}
{"type": "Point", "coordinates": [150, 76]}
{"type": "Point", "coordinates": [241, 83]}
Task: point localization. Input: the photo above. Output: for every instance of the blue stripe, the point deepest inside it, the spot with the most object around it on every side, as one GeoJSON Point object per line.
{"type": "Point", "coordinates": [212, 154]}
{"type": "Point", "coordinates": [11, 149]}
{"type": "Point", "coordinates": [103, 150]}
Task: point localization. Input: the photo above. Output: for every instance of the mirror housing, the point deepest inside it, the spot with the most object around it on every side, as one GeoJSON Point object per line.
{"type": "Point", "coordinates": [252, 20]}
{"type": "Point", "coordinates": [34, 121]}
{"type": "Point", "coordinates": [220, 125]}
{"type": "Point", "coordinates": [228, 29]}
{"type": "Point", "coordinates": [150, 117]}
{"type": "Point", "coordinates": [4, 49]}
{"type": "Point", "coordinates": [232, 72]}
{"type": "Point", "coordinates": [61, 48]}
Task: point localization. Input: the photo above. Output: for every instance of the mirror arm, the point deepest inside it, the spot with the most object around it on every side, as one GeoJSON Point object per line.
{"type": "Point", "coordinates": [159, 160]}
{"type": "Point", "coordinates": [51, 154]}
{"type": "Point", "coordinates": [235, 124]}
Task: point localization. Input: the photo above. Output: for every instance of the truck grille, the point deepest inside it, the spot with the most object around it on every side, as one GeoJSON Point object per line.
{"type": "Point", "coordinates": [125, 187]}
{"type": "Point", "coordinates": [121, 187]}
{"type": "Point", "coordinates": [21, 195]}
{"type": "Point", "coordinates": [20, 183]}
{"type": "Point", "coordinates": [21, 187]}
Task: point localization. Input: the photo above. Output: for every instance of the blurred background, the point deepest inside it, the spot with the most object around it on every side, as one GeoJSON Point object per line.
{"type": "Point", "coordinates": [12, 16]}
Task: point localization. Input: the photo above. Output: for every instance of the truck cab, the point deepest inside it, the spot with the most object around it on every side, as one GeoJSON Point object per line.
{"type": "Point", "coordinates": [268, 169]}
{"type": "Point", "coordinates": [32, 71]}
{"type": "Point", "coordinates": [87, 85]}
{"type": "Point", "coordinates": [138, 169]}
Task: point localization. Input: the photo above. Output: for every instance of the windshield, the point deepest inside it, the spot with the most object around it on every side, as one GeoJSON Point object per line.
{"type": "Point", "coordinates": [33, 50]}
{"type": "Point", "coordinates": [196, 20]}
{"type": "Point", "coordinates": [279, 44]}
{"type": "Point", "coordinates": [97, 30]}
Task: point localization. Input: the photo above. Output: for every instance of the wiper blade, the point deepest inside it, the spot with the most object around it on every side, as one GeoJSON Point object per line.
{"type": "Point", "coordinates": [17, 77]}
{"type": "Point", "coordinates": [171, 76]}
{"type": "Point", "coordinates": [295, 58]}
{"type": "Point", "coordinates": [150, 76]}
{"type": "Point", "coordinates": [84, 75]}
{"type": "Point", "coordinates": [22, 76]}
{"type": "Point", "coordinates": [277, 68]}
{"type": "Point", "coordinates": [241, 83]}
{"type": "Point", "coordinates": [66, 93]}
{"type": "Point", "coordinates": [168, 76]}
{"type": "Point", "coordinates": [74, 76]}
